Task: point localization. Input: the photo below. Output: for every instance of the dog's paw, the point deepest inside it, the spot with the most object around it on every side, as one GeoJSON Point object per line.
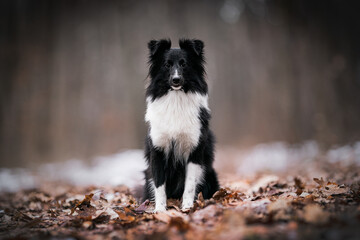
{"type": "Point", "coordinates": [159, 209]}
{"type": "Point", "coordinates": [187, 205]}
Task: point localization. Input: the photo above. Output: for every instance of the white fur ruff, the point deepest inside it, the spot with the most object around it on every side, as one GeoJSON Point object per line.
{"type": "Point", "coordinates": [174, 118]}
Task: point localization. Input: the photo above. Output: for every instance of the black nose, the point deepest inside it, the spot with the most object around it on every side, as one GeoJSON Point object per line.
{"type": "Point", "coordinates": [176, 81]}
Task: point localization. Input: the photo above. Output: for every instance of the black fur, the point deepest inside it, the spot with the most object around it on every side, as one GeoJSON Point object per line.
{"type": "Point", "coordinates": [190, 59]}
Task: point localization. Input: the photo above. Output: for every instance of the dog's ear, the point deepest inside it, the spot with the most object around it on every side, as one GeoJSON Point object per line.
{"type": "Point", "coordinates": [195, 45]}
{"type": "Point", "coordinates": [156, 47]}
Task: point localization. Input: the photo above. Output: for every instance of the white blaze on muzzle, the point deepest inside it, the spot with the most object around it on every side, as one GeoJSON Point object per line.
{"type": "Point", "coordinates": [176, 74]}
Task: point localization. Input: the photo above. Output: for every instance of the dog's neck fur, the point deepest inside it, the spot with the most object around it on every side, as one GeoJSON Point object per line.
{"type": "Point", "coordinates": [174, 121]}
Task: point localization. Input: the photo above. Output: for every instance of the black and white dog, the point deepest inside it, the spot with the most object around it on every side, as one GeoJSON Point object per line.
{"type": "Point", "coordinates": [180, 146]}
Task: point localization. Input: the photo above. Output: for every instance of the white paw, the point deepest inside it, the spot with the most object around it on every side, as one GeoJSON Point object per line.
{"type": "Point", "coordinates": [161, 208]}
{"type": "Point", "coordinates": [187, 204]}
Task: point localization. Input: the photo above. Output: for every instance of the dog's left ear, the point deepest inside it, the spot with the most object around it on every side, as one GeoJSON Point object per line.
{"type": "Point", "coordinates": [195, 45]}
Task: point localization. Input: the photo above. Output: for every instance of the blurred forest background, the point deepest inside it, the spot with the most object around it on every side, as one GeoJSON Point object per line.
{"type": "Point", "coordinates": [73, 73]}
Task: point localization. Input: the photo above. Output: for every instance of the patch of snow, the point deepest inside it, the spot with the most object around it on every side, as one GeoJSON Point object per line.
{"type": "Point", "coordinates": [279, 156]}
{"type": "Point", "coordinates": [121, 168]}
{"type": "Point", "coordinates": [12, 180]}
{"type": "Point", "coordinates": [345, 154]}
{"type": "Point", "coordinates": [275, 157]}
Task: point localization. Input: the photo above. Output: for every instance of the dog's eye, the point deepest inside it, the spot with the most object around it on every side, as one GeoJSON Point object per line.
{"type": "Point", "coordinates": [182, 63]}
{"type": "Point", "coordinates": [167, 65]}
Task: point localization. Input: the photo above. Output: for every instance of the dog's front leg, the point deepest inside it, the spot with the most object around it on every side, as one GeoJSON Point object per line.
{"type": "Point", "coordinates": [158, 173]}
{"type": "Point", "coordinates": [194, 175]}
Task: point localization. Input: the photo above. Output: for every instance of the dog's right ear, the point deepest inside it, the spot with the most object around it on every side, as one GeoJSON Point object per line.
{"type": "Point", "coordinates": [156, 47]}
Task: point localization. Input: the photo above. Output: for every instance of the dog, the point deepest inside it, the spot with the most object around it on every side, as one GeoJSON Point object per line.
{"type": "Point", "coordinates": [179, 148]}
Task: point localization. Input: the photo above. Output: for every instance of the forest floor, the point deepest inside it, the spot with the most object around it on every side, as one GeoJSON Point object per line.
{"type": "Point", "coordinates": [289, 205]}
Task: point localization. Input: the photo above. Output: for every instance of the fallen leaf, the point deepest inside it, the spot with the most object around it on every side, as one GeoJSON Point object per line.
{"type": "Point", "coordinates": [167, 215]}
{"type": "Point", "coordinates": [143, 207]}
{"type": "Point", "coordinates": [85, 202]}
{"type": "Point", "coordinates": [162, 217]}
{"type": "Point", "coordinates": [220, 194]}
{"type": "Point", "coordinates": [173, 203]}
{"type": "Point", "coordinates": [319, 181]}
{"type": "Point", "coordinates": [299, 185]}
{"type": "Point", "coordinates": [199, 202]}
{"type": "Point", "coordinates": [125, 215]}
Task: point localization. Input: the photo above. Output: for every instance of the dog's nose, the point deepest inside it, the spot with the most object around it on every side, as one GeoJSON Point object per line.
{"type": "Point", "coordinates": [176, 80]}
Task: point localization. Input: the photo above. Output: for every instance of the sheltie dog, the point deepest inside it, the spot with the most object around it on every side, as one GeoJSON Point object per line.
{"type": "Point", "coordinates": [179, 147]}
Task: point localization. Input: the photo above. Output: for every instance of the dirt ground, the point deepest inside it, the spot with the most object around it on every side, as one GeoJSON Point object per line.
{"type": "Point", "coordinates": [288, 205]}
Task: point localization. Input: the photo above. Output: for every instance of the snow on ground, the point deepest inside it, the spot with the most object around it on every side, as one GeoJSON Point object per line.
{"type": "Point", "coordinates": [12, 180]}
{"type": "Point", "coordinates": [122, 168]}
{"type": "Point", "coordinates": [280, 156]}
{"type": "Point", "coordinates": [276, 156]}
{"type": "Point", "coordinates": [127, 167]}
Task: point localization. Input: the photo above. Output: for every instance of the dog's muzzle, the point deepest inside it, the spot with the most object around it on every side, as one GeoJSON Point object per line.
{"type": "Point", "coordinates": [176, 81]}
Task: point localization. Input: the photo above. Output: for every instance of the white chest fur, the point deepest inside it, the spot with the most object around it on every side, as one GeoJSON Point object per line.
{"type": "Point", "coordinates": [174, 119]}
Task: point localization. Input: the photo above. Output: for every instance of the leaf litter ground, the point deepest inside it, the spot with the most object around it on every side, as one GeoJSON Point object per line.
{"type": "Point", "coordinates": [316, 201]}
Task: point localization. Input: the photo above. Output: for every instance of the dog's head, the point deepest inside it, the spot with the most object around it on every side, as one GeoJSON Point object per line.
{"type": "Point", "coordinates": [176, 69]}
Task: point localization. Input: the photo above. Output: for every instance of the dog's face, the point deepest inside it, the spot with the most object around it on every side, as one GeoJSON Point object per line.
{"type": "Point", "coordinates": [176, 69]}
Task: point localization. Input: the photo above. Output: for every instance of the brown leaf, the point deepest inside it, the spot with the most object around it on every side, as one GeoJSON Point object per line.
{"type": "Point", "coordinates": [167, 215]}
{"type": "Point", "coordinates": [142, 208]}
{"type": "Point", "coordinates": [85, 212]}
{"type": "Point", "coordinates": [299, 191]}
{"type": "Point", "coordinates": [299, 185]}
{"type": "Point", "coordinates": [331, 188]}
{"type": "Point", "coordinates": [220, 194]}
{"type": "Point", "coordinates": [200, 202]}
{"type": "Point", "coordinates": [125, 214]}
{"type": "Point", "coordinates": [85, 202]}
{"type": "Point", "coordinates": [173, 203]}
{"type": "Point", "coordinates": [162, 217]}
{"type": "Point", "coordinates": [309, 199]}
{"type": "Point", "coordinates": [321, 182]}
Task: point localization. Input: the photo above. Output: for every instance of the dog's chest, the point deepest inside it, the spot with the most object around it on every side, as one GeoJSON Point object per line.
{"type": "Point", "coordinates": [174, 121]}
